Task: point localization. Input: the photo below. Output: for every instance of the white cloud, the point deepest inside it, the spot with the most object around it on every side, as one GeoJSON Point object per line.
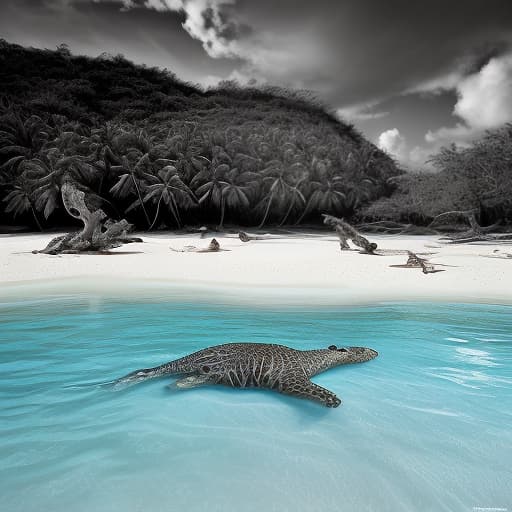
{"type": "Point", "coordinates": [161, 5]}
{"type": "Point", "coordinates": [392, 142]}
{"type": "Point", "coordinates": [361, 112]}
{"type": "Point", "coordinates": [203, 22]}
{"type": "Point", "coordinates": [211, 81]}
{"type": "Point", "coordinates": [209, 29]}
{"type": "Point", "coordinates": [417, 157]}
{"type": "Point", "coordinates": [485, 98]}
{"type": "Point", "coordinates": [267, 56]}
{"type": "Point", "coordinates": [460, 133]}
{"type": "Point", "coordinates": [438, 84]}
{"type": "Point", "coordinates": [484, 101]}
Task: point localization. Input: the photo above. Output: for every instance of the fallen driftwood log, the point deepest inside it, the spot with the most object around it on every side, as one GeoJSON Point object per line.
{"type": "Point", "coordinates": [213, 246]}
{"type": "Point", "coordinates": [97, 235]}
{"type": "Point", "coordinates": [347, 232]}
{"type": "Point", "coordinates": [475, 233]}
{"type": "Point", "coordinates": [495, 239]}
{"type": "Point", "coordinates": [413, 230]}
{"type": "Point", "coordinates": [382, 226]}
{"type": "Point", "coordinates": [414, 261]}
{"type": "Point", "coordinates": [395, 228]}
{"type": "Point", "coordinates": [245, 237]}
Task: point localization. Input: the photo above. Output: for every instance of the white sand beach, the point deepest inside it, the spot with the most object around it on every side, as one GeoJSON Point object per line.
{"type": "Point", "coordinates": [302, 268]}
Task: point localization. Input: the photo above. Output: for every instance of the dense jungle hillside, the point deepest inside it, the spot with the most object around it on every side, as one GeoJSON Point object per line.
{"type": "Point", "coordinates": [163, 153]}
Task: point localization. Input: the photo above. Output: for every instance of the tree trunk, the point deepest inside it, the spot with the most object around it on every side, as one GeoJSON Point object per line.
{"type": "Point", "coordinates": [287, 213]}
{"type": "Point", "coordinates": [266, 210]}
{"type": "Point", "coordinates": [34, 214]}
{"type": "Point", "coordinates": [139, 195]}
{"type": "Point", "coordinates": [157, 212]}
{"type": "Point", "coordinates": [96, 234]}
{"type": "Point", "coordinates": [222, 211]}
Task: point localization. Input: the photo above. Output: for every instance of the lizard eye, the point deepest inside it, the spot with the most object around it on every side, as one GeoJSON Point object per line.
{"type": "Point", "coordinates": [342, 350]}
{"type": "Point", "coordinates": [333, 347]}
{"type": "Point", "coordinates": [205, 369]}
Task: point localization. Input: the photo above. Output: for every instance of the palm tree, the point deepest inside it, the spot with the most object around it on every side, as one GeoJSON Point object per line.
{"type": "Point", "coordinates": [297, 200]}
{"type": "Point", "coordinates": [130, 143]}
{"type": "Point", "coordinates": [282, 178]}
{"type": "Point", "coordinates": [105, 135]}
{"type": "Point", "coordinates": [20, 140]}
{"type": "Point", "coordinates": [326, 197]}
{"type": "Point", "coordinates": [236, 191]}
{"type": "Point", "coordinates": [277, 193]}
{"type": "Point", "coordinates": [131, 181]}
{"type": "Point", "coordinates": [185, 147]}
{"type": "Point", "coordinates": [22, 137]}
{"type": "Point", "coordinates": [49, 171]}
{"type": "Point", "coordinates": [169, 189]}
{"type": "Point", "coordinates": [20, 200]}
{"type": "Point", "coordinates": [103, 160]}
{"type": "Point", "coordinates": [210, 182]}
{"type": "Point", "coordinates": [359, 193]}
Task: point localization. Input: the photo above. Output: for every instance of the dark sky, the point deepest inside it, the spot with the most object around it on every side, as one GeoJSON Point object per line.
{"type": "Point", "coordinates": [412, 75]}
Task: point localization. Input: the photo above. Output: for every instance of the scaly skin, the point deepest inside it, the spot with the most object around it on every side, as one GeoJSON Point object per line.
{"type": "Point", "coordinates": [243, 365]}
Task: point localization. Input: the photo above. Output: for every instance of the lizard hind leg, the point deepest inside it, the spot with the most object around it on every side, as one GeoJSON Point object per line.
{"type": "Point", "coordinates": [304, 388]}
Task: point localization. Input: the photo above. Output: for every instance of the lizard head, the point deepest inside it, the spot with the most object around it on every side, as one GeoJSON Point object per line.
{"type": "Point", "coordinates": [348, 355]}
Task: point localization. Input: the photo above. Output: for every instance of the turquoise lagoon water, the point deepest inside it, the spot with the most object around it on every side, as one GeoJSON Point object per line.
{"type": "Point", "coordinates": [427, 426]}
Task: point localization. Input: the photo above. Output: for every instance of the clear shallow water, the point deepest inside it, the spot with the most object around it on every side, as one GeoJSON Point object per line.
{"type": "Point", "coordinates": [427, 426]}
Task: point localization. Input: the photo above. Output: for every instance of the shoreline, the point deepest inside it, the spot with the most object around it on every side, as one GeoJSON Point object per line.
{"type": "Point", "coordinates": [301, 269]}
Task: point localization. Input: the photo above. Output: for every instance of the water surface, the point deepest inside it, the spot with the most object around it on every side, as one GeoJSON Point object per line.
{"type": "Point", "coordinates": [424, 427]}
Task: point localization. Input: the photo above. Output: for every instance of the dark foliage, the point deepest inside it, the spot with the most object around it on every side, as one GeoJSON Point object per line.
{"type": "Point", "coordinates": [140, 142]}
{"type": "Point", "coordinates": [477, 178]}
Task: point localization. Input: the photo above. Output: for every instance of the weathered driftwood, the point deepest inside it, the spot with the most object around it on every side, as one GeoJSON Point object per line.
{"type": "Point", "coordinates": [495, 239]}
{"type": "Point", "coordinates": [395, 228]}
{"type": "Point", "coordinates": [213, 246]}
{"type": "Point", "coordinates": [245, 237]}
{"type": "Point", "coordinates": [463, 223]}
{"type": "Point", "coordinates": [475, 233]}
{"type": "Point", "coordinates": [347, 232]}
{"type": "Point", "coordinates": [381, 225]}
{"type": "Point", "coordinates": [453, 218]}
{"type": "Point", "coordinates": [414, 261]}
{"type": "Point", "coordinates": [460, 222]}
{"type": "Point", "coordinates": [411, 229]}
{"type": "Point", "coordinates": [97, 234]}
